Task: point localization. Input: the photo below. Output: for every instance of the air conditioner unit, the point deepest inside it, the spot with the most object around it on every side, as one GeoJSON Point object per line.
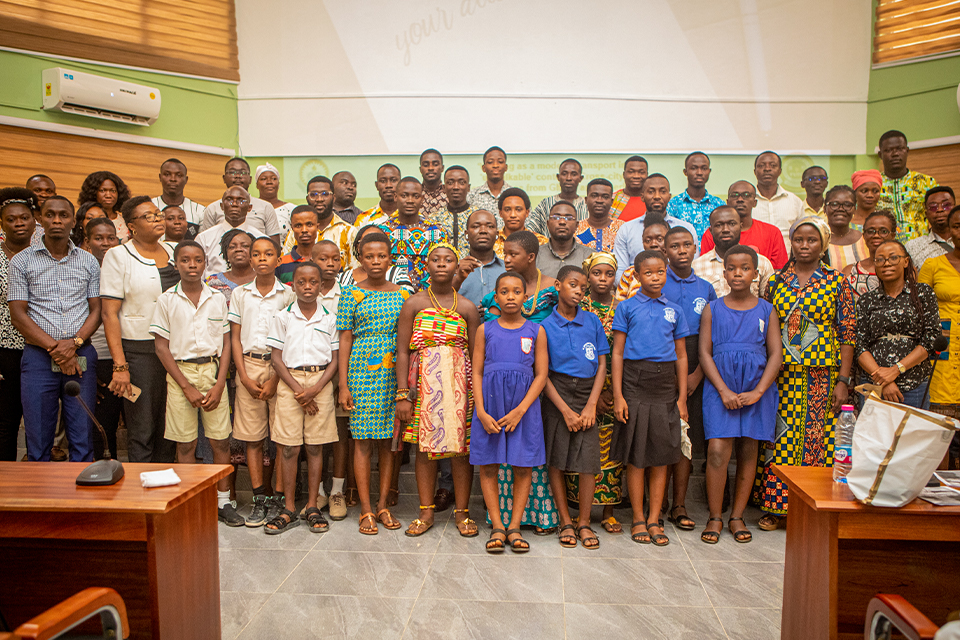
{"type": "Point", "coordinates": [88, 95]}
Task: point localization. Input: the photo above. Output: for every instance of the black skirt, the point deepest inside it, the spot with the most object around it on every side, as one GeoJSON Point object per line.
{"type": "Point", "coordinates": [651, 435]}
{"type": "Point", "coordinates": [576, 451]}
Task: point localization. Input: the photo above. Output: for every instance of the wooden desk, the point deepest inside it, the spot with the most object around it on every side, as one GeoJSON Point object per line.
{"type": "Point", "coordinates": [157, 547]}
{"type": "Point", "coordinates": [840, 553]}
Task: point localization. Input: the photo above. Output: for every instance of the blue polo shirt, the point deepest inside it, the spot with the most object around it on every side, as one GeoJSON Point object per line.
{"type": "Point", "coordinates": [576, 345]}
{"type": "Point", "coordinates": [651, 325]}
{"type": "Point", "coordinates": [693, 294]}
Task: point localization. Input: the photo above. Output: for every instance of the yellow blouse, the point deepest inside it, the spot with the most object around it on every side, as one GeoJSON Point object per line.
{"type": "Point", "coordinates": [940, 274]}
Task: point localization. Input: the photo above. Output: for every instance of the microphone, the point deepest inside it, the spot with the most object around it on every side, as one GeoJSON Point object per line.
{"type": "Point", "coordinates": [101, 472]}
{"type": "Point", "coordinates": [939, 346]}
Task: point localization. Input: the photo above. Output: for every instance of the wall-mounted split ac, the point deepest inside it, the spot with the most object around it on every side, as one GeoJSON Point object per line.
{"type": "Point", "coordinates": [88, 95]}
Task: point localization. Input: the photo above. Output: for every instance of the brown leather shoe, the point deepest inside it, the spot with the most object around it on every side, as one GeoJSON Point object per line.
{"type": "Point", "coordinates": [443, 500]}
{"type": "Point", "coordinates": [57, 455]}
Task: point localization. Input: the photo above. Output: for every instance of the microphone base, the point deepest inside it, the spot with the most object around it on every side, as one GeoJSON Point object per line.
{"type": "Point", "coordinates": [101, 473]}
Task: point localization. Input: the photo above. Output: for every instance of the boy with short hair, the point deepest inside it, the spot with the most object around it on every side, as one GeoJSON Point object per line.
{"type": "Point", "coordinates": [191, 355]}
{"type": "Point", "coordinates": [254, 305]}
{"type": "Point", "coordinates": [305, 345]}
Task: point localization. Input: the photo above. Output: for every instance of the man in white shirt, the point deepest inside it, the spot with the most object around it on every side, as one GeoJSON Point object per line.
{"type": "Point", "coordinates": [235, 206]}
{"type": "Point", "coordinates": [262, 215]}
{"type": "Point", "coordinates": [173, 178]}
{"type": "Point", "coordinates": [775, 204]}
{"type": "Point", "coordinates": [937, 202]}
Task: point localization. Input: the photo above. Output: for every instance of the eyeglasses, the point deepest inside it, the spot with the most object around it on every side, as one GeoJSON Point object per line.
{"type": "Point", "coordinates": [933, 208]}
{"type": "Point", "coordinates": [237, 201]}
{"type": "Point", "coordinates": [735, 195]}
{"type": "Point", "coordinates": [841, 206]}
{"type": "Point", "coordinates": [238, 172]}
{"type": "Point", "coordinates": [883, 233]}
{"type": "Point", "coordinates": [562, 218]}
{"type": "Point", "coordinates": [817, 178]}
{"type": "Point", "coordinates": [894, 260]}
{"type": "Point", "coordinates": [320, 194]}
{"type": "Point", "coordinates": [151, 217]}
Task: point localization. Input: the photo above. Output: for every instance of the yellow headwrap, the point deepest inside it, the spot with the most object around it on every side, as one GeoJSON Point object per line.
{"type": "Point", "coordinates": [819, 224]}
{"type": "Point", "coordinates": [599, 257]}
{"type": "Point", "coordinates": [445, 245]}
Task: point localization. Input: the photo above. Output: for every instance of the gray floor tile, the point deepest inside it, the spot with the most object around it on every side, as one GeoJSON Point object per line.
{"type": "Point", "coordinates": [345, 536]}
{"type": "Point", "coordinates": [237, 609]}
{"type": "Point", "coordinates": [623, 546]}
{"type": "Point", "coordinates": [766, 546]}
{"type": "Point", "coordinates": [455, 619]}
{"type": "Point", "coordinates": [505, 577]}
{"type": "Point", "coordinates": [256, 570]}
{"type": "Point", "coordinates": [255, 538]}
{"type": "Point", "coordinates": [352, 573]}
{"type": "Point", "coordinates": [591, 621]}
{"type": "Point", "coordinates": [304, 616]}
{"type": "Point", "coordinates": [742, 584]}
{"type": "Point", "coordinates": [751, 624]}
{"type": "Point", "coordinates": [453, 543]}
{"type": "Point", "coordinates": [631, 581]}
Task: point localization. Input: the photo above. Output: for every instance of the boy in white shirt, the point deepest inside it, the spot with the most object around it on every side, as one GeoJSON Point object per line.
{"type": "Point", "coordinates": [305, 343]}
{"type": "Point", "coordinates": [191, 334]}
{"type": "Point", "coordinates": [252, 309]}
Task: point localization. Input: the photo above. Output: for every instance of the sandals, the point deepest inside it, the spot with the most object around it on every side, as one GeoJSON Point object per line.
{"type": "Point", "coordinates": [592, 542]}
{"type": "Point", "coordinates": [540, 531]}
{"type": "Point", "coordinates": [742, 535]}
{"type": "Point", "coordinates": [641, 537]}
{"type": "Point", "coordinates": [415, 530]}
{"type": "Point", "coordinates": [611, 526]}
{"type": "Point", "coordinates": [567, 540]}
{"type": "Point", "coordinates": [388, 521]}
{"type": "Point", "coordinates": [315, 520]}
{"type": "Point", "coordinates": [352, 496]}
{"type": "Point", "coordinates": [466, 527]}
{"type": "Point", "coordinates": [684, 522]}
{"type": "Point", "coordinates": [370, 530]}
{"type": "Point", "coordinates": [711, 537]}
{"type": "Point", "coordinates": [496, 545]}
{"type": "Point", "coordinates": [518, 545]}
{"type": "Point", "coordinates": [770, 522]}
{"type": "Point", "coordinates": [281, 524]}
{"type": "Point", "coordinates": [658, 539]}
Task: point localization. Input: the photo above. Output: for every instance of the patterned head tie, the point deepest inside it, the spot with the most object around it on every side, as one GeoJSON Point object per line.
{"type": "Point", "coordinates": [817, 223]}
{"type": "Point", "coordinates": [445, 245]}
{"type": "Point", "coordinates": [599, 257]}
{"type": "Point", "coordinates": [29, 203]}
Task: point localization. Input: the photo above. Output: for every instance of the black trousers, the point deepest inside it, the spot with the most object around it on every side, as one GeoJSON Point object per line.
{"type": "Point", "coordinates": [108, 411]}
{"type": "Point", "coordinates": [11, 409]}
{"type": "Point", "coordinates": [146, 418]}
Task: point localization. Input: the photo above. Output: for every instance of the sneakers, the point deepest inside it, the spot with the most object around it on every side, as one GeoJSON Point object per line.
{"type": "Point", "coordinates": [274, 505]}
{"type": "Point", "coordinates": [258, 516]}
{"type": "Point", "coordinates": [322, 502]}
{"type": "Point", "coordinates": [338, 507]}
{"type": "Point", "coordinates": [228, 515]}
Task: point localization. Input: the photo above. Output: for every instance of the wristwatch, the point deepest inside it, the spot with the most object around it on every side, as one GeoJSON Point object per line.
{"type": "Point", "coordinates": [900, 367]}
{"type": "Point", "coordinates": [844, 379]}
{"type": "Point", "coordinates": [77, 341]}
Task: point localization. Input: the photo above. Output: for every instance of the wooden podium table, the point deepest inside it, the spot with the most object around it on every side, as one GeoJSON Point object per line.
{"type": "Point", "coordinates": [157, 547]}
{"type": "Point", "coordinates": [841, 553]}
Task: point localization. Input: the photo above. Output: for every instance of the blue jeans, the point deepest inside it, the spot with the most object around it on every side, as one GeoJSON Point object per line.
{"type": "Point", "coordinates": [42, 391]}
{"type": "Point", "coordinates": [916, 398]}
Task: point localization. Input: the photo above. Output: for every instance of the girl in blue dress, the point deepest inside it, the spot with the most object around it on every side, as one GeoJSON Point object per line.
{"type": "Point", "coordinates": [740, 353]}
{"type": "Point", "coordinates": [509, 372]}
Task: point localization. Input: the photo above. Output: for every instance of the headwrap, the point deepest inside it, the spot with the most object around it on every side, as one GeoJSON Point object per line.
{"type": "Point", "coordinates": [862, 177]}
{"type": "Point", "coordinates": [599, 257]}
{"type": "Point", "coordinates": [264, 168]}
{"type": "Point", "coordinates": [819, 224]}
{"type": "Point", "coordinates": [28, 203]}
{"type": "Point", "coordinates": [444, 245]}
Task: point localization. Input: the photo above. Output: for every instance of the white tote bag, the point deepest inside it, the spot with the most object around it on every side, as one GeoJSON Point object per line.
{"type": "Point", "coordinates": [896, 449]}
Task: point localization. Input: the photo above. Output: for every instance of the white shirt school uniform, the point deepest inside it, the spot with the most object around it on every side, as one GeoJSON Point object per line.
{"type": "Point", "coordinates": [193, 331]}
{"type": "Point", "coordinates": [128, 276]}
{"type": "Point", "coordinates": [305, 342]}
{"type": "Point", "coordinates": [331, 300]}
{"type": "Point", "coordinates": [255, 312]}
{"type": "Point", "coordinates": [210, 241]}
{"type": "Point", "coordinates": [262, 217]}
{"type": "Point", "coordinates": [782, 210]}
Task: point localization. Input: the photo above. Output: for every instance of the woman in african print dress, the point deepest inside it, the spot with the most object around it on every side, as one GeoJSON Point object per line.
{"type": "Point", "coordinates": [435, 335]}
{"type": "Point", "coordinates": [817, 319]}
{"type": "Point", "coordinates": [601, 270]}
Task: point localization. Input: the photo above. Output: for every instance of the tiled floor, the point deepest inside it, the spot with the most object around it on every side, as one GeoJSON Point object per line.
{"type": "Point", "coordinates": [344, 585]}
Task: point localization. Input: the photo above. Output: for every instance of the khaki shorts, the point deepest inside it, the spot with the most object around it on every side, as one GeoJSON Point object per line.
{"type": "Point", "coordinates": [182, 416]}
{"type": "Point", "coordinates": [292, 427]}
{"type": "Point", "coordinates": [250, 415]}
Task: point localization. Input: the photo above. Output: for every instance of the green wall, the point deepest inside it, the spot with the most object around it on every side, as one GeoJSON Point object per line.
{"type": "Point", "coordinates": [193, 110]}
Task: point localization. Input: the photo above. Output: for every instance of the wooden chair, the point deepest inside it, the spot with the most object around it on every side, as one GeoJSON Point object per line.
{"type": "Point", "coordinates": [887, 612]}
{"type": "Point", "coordinates": [57, 621]}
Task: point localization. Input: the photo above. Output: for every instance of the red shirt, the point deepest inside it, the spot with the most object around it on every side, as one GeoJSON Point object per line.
{"type": "Point", "coordinates": [762, 236]}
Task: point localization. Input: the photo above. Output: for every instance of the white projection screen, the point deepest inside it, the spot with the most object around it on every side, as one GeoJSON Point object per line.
{"type": "Point", "coordinates": [365, 77]}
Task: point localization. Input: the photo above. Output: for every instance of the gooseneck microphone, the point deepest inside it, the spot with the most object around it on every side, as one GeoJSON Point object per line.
{"type": "Point", "coordinates": [101, 472]}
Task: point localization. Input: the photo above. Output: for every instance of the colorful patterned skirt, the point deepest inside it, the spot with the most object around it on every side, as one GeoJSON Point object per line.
{"type": "Point", "coordinates": [541, 510]}
{"type": "Point", "coordinates": [804, 432]}
{"type": "Point", "coordinates": [610, 479]}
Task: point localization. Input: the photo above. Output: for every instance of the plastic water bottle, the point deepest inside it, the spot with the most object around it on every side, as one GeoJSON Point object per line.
{"type": "Point", "coordinates": [843, 447]}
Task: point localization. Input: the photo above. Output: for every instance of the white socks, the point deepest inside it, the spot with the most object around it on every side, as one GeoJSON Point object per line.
{"type": "Point", "coordinates": [337, 486]}
{"type": "Point", "coordinates": [320, 492]}
{"type": "Point", "coordinates": [223, 498]}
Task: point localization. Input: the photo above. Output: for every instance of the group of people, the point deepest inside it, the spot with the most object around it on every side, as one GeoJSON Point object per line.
{"type": "Point", "coordinates": [576, 352]}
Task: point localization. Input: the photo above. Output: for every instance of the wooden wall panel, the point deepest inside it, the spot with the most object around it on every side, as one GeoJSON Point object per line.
{"type": "Point", "coordinates": [68, 159]}
{"type": "Point", "coordinates": [943, 163]}
{"type": "Point", "coordinates": [907, 29]}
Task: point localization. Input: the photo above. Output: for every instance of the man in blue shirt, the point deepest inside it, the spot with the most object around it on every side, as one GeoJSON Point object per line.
{"type": "Point", "coordinates": [694, 204]}
{"type": "Point", "coordinates": [478, 271]}
{"type": "Point", "coordinates": [54, 297]}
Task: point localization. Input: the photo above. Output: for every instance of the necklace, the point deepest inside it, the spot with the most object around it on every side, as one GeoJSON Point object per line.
{"type": "Point", "coordinates": [6, 250]}
{"type": "Point", "coordinates": [436, 303]}
{"type": "Point", "coordinates": [532, 300]}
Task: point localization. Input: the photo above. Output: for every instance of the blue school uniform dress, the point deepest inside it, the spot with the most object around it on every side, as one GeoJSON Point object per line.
{"type": "Point", "coordinates": [740, 353]}
{"type": "Point", "coordinates": [651, 435]}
